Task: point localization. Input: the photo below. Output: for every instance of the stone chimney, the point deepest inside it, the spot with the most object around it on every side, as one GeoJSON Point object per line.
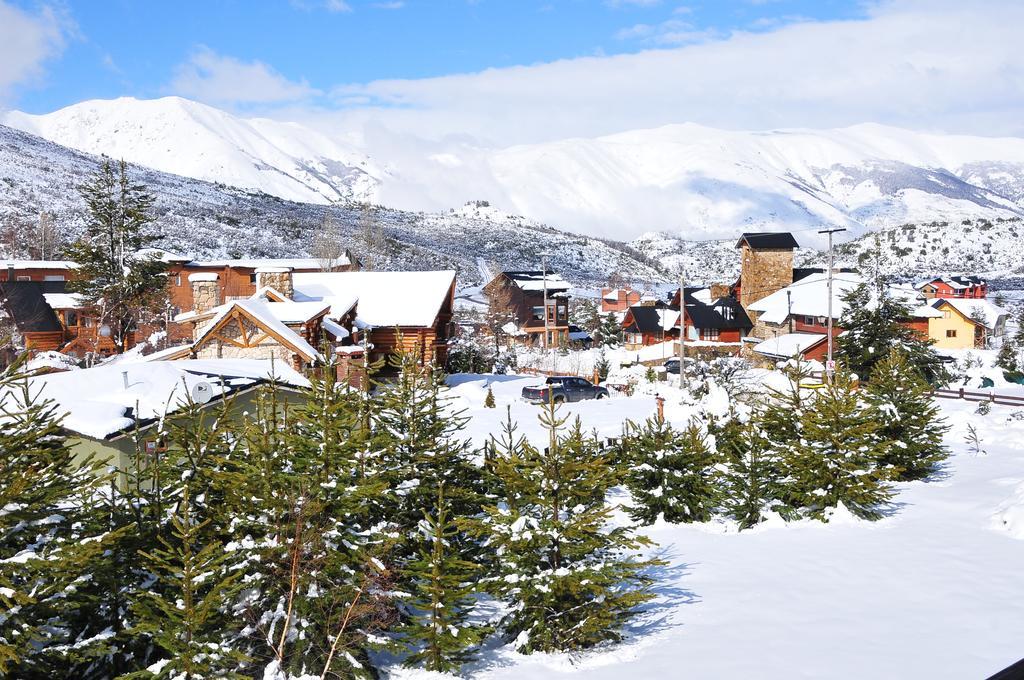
{"type": "Point", "coordinates": [720, 290]}
{"type": "Point", "coordinates": [205, 291]}
{"type": "Point", "coordinates": [278, 278]}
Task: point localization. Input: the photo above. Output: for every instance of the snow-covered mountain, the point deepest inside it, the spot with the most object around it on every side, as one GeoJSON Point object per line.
{"type": "Point", "coordinates": [187, 138]}
{"type": "Point", "coordinates": [208, 220]}
{"type": "Point", "coordinates": [685, 180]}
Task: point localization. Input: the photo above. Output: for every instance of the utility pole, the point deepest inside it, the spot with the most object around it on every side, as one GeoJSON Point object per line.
{"type": "Point", "coordinates": [682, 327]}
{"type": "Point", "coordinates": [547, 331]}
{"type": "Point", "coordinates": [829, 366]}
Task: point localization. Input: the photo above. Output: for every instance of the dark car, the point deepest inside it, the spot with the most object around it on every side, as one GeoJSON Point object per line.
{"type": "Point", "coordinates": [561, 389]}
{"type": "Point", "coordinates": [672, 365]}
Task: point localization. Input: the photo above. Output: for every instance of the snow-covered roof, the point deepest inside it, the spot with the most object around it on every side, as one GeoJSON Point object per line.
{"type": "Point", "coordinates": [63, 300]}
{"type": "Point", "coordinates": [203, 276]}
{"type": "Point", "coordinates": [37, 264]}
{"type": "Point", "coordinates": [808, 297]}
{"type": "Point", "coordinates": [382, 298]}
{"type": "Point", "coordinates": [98, 404]}
{"type": "Point", "coordinates": [971, 308]}
{"type": "Point", "coordinates": [162, 255]}
{"type": "Point", "coordinates": [538, 280]}
{"type": "Point", "coordinates": [339, 332]}
{"type": "Point", "coordinates": [254, 263]}
{"type": "Point", "coordinates": [265, 314]}
{"type": "Point", "coordinates": [954, 281]}
{"type": "Point", "coordinates": [788, 344]}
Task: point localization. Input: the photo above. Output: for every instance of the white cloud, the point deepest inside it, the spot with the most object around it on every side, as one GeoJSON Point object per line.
{"type": "Point", "coordinates": [941, 64]}
{"type": "Point", "coordinates": [670, 32]}
{"type": "Point", "coordinates": [211, 77]}
{"type": "Point", "coordinates": [27, 41]}
{"type": "Point", "coordinates": [396, 4]}
{"type": "Point", "coordinates": [337, 6]}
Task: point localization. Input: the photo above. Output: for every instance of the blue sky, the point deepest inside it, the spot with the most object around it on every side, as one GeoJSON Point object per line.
{"type": "Point", "coordinates": [504, 72]}
{"type": "Point", "coordinates": [125, 47]}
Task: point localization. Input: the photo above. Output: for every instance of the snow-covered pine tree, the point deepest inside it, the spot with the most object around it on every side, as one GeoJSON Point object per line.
{"type": "Point", "coordinates": [443, 585]}
{"type": "Point", "coordinates": [609, 332]}
{"type": "Point", "coordinates": [416, 437]}
{"type": "Point", "coordinates": [185, 614]}
{"type": "Point", "coordinates": [118, 282]}
{"type": "Point", "coordinates": [185, 610]}
{"type": "Point", "coordinates": [49, 540]}
{"type": "Point", "coordinates": [836, 458]}
{"type": "Point", "coordinates": [571, 580]}
{"type": "Point", "coordinates": [909, 421]}
{"type": "Point", "coordinates": [875, 323]}
{"type": "Point", "coordinates": [671, 474]}
{"type": "Point", "coordinates": [751, 482]}
{"type": "Point", "coordinates": [313, 554]}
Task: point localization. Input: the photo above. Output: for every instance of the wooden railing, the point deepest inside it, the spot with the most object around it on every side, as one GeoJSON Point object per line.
{"type": "Point", "coordinates": [990, 396]}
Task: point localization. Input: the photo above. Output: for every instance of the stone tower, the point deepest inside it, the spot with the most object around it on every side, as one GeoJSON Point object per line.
{"type": "Point", "coordinates": [766, 265]}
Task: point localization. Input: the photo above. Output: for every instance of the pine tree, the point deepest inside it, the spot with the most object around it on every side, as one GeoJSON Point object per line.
{"type": "Point", "coordinates": [49, 539]}
{"type": "Point", "coordinates": [751, 483]}
{"type": "Point", "coordinates": [115, 280]}
{"type": "Point", "coordinates": [672, 473]}
{"type": "Point", "coordinates": [185, 611]}
{"type": "Point", "coordinates": [317, 589]}
{"type": "Point", "coordinates": [489, 399]}
{"type": "Point", "coordinates": [602, 365]}
{"type": "Point", "coordinates": [836, 459]}
{"type": "Point", "coordinates": [416, 436]}
{"type": "Point", "coordinates": [189, 625]}
{"type": "Point", "coordinates": [909, 421]}
{"type": "Point", "coordinates": [609, 333]}
{"type": "Point", "coordinates": [443, 590]}
{"type": "Point", "coordinates": [875, 323]}
{"type": "Point", "coordinates": [569, 579]}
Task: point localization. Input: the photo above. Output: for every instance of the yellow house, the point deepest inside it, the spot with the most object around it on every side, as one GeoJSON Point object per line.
{"type": "Point", "coordinates": [965, 323]}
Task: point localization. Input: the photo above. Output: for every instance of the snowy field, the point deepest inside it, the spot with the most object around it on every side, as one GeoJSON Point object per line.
{"type": "Point", "coordinates": [934, 590]}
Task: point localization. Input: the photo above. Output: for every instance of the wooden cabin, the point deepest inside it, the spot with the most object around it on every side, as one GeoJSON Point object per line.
{"type": "Point", "coordinates": [394, 311]}
{"type": "Point", "coordinates": [521, 294]}
{"type": "Point", "coordinates": [645, 325]}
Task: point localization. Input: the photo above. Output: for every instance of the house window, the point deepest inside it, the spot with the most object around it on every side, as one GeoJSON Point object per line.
{"type": "Point", "coordinates": [252, 278]}
{"type": "Point", "coordinates": [70, 318]}
{"type": "Point", "coordinates": [177, 280]}
{"type": "Point", "coordinates": [154, 446]}
{"type": "Point", "coordinates": [709, 334]}
{"type": "Point", "coordinates": [24, 278]}
{"type": "Point", "coordinates": [726, 313]}
{"type": "Point", "coordinates": [538, 313]}
{"type": "Point", "coordinates": [551, 314]}
{"type": "Point", "coordinates": [946, 314]}
{"type": "Point", "coordinates": [810, 320]}
{"type": "Point", "coordinates": [951, 333]}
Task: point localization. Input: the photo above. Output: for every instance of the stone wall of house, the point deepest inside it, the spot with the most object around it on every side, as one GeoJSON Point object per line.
{"type": "Point", "coordinates": [763, 272]}
{"type": "Point", "coordinates": [764, 330]}
{"type": "Point", "coordinates": [720, 290]}
{"type": "Point", "coordinates": [214, 348]}
{"type": "Point", "coordinates": [278, 278]}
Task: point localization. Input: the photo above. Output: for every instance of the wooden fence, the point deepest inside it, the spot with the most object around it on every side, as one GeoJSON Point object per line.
{"type": "Point", "coordinates": [990, 396]}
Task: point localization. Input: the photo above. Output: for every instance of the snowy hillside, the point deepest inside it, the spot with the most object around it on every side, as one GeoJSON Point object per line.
{"type": "Point", "coordinates": [685, 180]}
{"type": "Point", "coordinates": [209, 220]}
{"type": "Point", "coordinates": [187, 138]}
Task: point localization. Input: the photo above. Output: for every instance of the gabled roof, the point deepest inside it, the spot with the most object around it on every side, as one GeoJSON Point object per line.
{"type": "Point", "coordinates": [723, 313]}
{"type": "Point", "coordinates": [536, 280]}
{"type": "Point", "coordinates": [969, 308]}
{"type": "Point", "coordinates": [382, 299]}
{"type": "Point", "coordinates": [765, 240]}
{"type": "Point", "coordinates": [25, 303]}
{"type": "Point", "coordinates": [260, 314]}
{"type": "Point", "coordinates": [308, 263]}
{"type": "Point", "coordinates": [787, 345]}
{"type": "Point", "coordinates": [651, 319]}
{"type": "Point", "coordinates": [958, 282]}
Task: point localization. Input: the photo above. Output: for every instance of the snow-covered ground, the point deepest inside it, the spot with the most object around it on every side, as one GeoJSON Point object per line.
{"type": "Point", "coordinates": [934, 590]}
